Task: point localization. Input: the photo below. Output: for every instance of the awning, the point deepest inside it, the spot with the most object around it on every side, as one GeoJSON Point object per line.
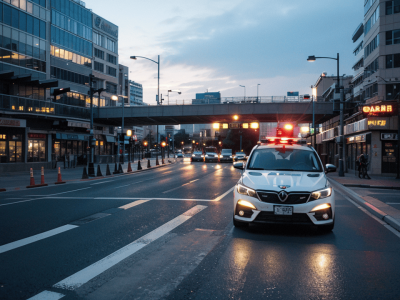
{"type": "Point", "coordinates": [74, 123]}
{"type": "Point", "coordinates": [73, 137]}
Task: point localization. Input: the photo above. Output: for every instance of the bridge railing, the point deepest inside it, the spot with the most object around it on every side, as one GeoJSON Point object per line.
{"type": "Point", "coordinates": [239, 100]}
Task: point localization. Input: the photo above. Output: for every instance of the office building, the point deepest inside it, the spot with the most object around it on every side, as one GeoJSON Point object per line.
{"type": "Point", "coordinates": [135, 93]}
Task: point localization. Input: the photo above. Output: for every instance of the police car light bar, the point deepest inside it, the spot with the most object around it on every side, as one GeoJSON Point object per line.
{"type": "Point", "coordinates": [282, 141]}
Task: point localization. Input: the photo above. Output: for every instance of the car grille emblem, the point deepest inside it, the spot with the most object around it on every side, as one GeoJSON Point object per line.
{"type": "Point", "coordinates": [284, 187]}
{"type": "Point", "coordinates": [283, 196]}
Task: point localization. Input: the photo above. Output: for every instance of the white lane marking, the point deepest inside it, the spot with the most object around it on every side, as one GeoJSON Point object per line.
{"type": "Point", "coordinates": [386, 225]}
{"type": "Point", "coordinates": [35, 238]}
{"type": "Point", "coordinates": [105, 181]}
{"type": "Point", "coordinates": [47, 295]}
{"type": "Point", "coordinates": [190, 182]}
{"type": "Point", "coordinates": [60, 193]}
{"type": "Point", "coordinates": [132, 204]}
{"type": "Point", "coordinates": [21, 201]}
{"type": "Point", "coordinates": [78, 279]}
{"type": "Point", "coordinates": [130, 184]}
{"type": "Point", "coordinates": [223, 195]}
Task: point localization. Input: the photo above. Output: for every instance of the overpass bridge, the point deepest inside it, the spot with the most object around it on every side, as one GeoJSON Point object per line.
{"type": "Point", "coordinates": [213, 113]}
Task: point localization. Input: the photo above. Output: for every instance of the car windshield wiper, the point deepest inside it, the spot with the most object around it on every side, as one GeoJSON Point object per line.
{"type": "Point", "coordinates": [255, 168]}
{"type": "Point", "coordinates": [284, 170]}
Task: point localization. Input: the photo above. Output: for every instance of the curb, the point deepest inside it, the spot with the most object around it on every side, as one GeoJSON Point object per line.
{"type": "Point", "coordinates": [369, 186]}
{"type": "Point", "coordinates": [368, 206]}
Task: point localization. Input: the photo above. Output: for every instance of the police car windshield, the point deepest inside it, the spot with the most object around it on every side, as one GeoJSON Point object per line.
{"type": "Point", "coordinates": [283, 159]}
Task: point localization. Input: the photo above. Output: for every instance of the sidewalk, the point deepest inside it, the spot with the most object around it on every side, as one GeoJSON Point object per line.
{"type": "Point", "coordinates": [376, 181]}
{"type": "Point", "coordinates": [383, 211]}
{"type": "Point", "coordinates": [20, 180]}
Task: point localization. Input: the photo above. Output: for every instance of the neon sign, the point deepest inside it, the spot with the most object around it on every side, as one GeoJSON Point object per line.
{"type": "Point", "coordinates": [379, 110]}
{"type": "Point", "coordinates": [377, 123]}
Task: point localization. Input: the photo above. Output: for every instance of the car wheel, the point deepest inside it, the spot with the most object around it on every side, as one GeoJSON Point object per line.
{"type": "Point", "coordinates": [239, 224]}
{"type": "Point", "coordinates": [326, 228]}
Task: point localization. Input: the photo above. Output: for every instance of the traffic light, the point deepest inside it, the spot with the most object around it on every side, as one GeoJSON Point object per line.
{"type": "Point", "coordinates": [285, 130]}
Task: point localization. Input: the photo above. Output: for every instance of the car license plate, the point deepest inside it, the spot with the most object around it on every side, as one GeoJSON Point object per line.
{"type": "Point", "coordinates": [283, 210]}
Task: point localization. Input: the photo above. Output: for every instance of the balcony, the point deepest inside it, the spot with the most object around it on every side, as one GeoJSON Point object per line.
{"type": "Point", "coordinates": [20, 105]}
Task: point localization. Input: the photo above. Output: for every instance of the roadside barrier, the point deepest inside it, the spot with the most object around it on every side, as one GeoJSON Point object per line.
{"type": "Point", "coordinates": [148, 164]}
{"type": "Point", "coordinates": [157, 163]}
{"type": "Point", "coordinates": [85, 175]}
{"type": "Point", "coordinates": [129, 167]}
{"type": "Point", "coordinates": [139, 166]}
{"type": "Point", "coordinates": [120, 171]}
{"type": "Point", "coordinates": [59, 180]}
{"type": "Point", "coordinates": [108, 173]}
{"type": "Point", "coordinates": [99, 174]}
{"type": "Point", "coordinates": [32, 181]}
{"type": "Point", "coordinates": [115, 169]}
{"type": "Point", "coordinates": [162, 161]}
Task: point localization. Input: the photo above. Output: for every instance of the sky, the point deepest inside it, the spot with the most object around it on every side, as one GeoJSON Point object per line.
{"type": "Point", "coordinates": [217, 45]}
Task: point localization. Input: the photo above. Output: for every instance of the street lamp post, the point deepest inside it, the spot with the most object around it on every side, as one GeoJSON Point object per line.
{"type": "Point", "coordinates": [243, 86]}
{"type": "Point", "coordinates": [170, 91]}
{"type": "Point", "coordinates": [158, 77]}
{"type": "Point", "coordinates": [257, 90]}
{"type": "Point", "coordinates": [312, 58]}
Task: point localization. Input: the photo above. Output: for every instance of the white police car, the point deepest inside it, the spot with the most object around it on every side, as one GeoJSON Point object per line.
{"type": "Point", "coordinates": [284, 182]}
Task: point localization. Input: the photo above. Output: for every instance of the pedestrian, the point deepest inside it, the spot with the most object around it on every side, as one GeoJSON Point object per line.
{"type": "Point", "coordinates": [362, 166]}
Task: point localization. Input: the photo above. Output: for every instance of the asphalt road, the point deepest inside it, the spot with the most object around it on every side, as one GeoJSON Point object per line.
{"type": "Point", "coordinates": [390, 197]}
{"type": "Point", "coordinates": [168, 234]}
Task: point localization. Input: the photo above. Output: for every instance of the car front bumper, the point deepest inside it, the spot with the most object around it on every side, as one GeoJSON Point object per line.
{"type": "Point", "coordinates": [264, 212]}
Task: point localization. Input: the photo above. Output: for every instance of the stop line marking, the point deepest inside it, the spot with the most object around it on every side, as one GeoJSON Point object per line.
{"type": "Point", "coordinates": [78, 279]}
{"type": "Point", "coordinates": [47, 295]}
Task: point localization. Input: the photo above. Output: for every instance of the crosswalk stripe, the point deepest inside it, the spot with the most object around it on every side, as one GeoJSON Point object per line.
{"type": "Point", "coordinates": [35, 238]}
{"type": "Point", "coordinates": [78, 279]}
{"type": "Point", "coordinates": [47, 295]}
{"type": "Point", "coordinates": [132, 204]}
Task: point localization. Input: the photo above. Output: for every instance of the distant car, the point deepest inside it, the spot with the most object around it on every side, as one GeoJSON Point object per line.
{"type": "Point", "coordinates": [211, 157]}
{"type": "Point", "coordinates": [240, 156]}
{"type": "Point", "coordinates": [179, 155]}
{"type": "Point", "coordinates": [226, 155]}
{"type": "Point", "coordinates": [197, 156]}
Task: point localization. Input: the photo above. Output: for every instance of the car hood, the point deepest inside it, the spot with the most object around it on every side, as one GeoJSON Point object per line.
{"type": "Point", "coordinates": [276, 181]}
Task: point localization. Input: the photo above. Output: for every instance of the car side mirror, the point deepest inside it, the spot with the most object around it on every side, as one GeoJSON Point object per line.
{"type": "Point", "coordinates": [330, 168]}
{"type": "Point", "coordinates": [238, 165]}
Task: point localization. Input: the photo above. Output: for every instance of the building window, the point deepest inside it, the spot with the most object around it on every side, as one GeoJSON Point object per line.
{"type": "Point", "coordinates": [392, 7]}
{"type": "Point", "coordinates": [111, 88]}
{"type": "Point", "coordinates": [393, 37]}
{"type": "Point", "coordinates": [110, 45]}
{"type": "Point", "coordinates": [111, 71]}
{"type": "Point", "coordinates": [36, 150]}
{"type": "Point", "coordinates": [98, 53]}
{"type": "Point", "coordinates": [371, 91]}
{"type": "Point", "coordinates": [371, 46]}
{"type": "Point", "coordinates": [371, 21]}
{"type": "Point", "coordinates": [67, 55]}
{"type": "Point", "coordinates": [392, 90]}
{"type": "Point", "coordinates": [371, 68]}
{"type": "Point", "coordinates": [393, 61]}
{"type": "Point", "coordinates": [99, 66]}
{"type": "Point", "coordinates": [69, 76]}
{"type": "Point", "coordinates": [98, 39]}
{"type": "Point", "coordinates": [112, 59]}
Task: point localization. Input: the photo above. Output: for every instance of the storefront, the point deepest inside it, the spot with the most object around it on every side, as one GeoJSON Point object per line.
{"type": "Point", "coordinates": [12, 137]}
{"type": "Point", "coordinates": [357, 145]}
{"type": "Point", "coordinates": [65, 145]}
{"type": "Point", "coordinates": [389, 161]}
{"type": "Point", "coordinates": [37, 147]}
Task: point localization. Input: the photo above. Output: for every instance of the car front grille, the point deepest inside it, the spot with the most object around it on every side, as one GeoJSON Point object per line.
{"type": "Point", "coordinates": [293, 198]}
{"type": "Point", "coordinates": [270, 217]}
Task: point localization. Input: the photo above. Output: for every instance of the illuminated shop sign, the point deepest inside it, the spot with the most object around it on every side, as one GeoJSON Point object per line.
{"type": "Point", "coordinates": [36, 136]}
{"type": "Point", "coordinates": [378, 123]}
{"type": "Point", "coordinates": [389, 136]}
{"type": "Point", "coordinates": [379, 110]}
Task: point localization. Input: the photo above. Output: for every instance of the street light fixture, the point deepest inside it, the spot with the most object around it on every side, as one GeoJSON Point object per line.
{"type": "Point", "coordinates": [170, 91]}
{"type": "Point", "coordinates": [312, 58]}
{"type": "Point", "coordinates": [158, 85]}
{"type": "Point", "coordinates": [236, 117]}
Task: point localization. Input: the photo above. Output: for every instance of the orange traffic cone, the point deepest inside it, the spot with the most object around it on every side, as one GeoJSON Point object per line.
{"type": "Point", "coordinates": [42, 176]}
{"type": "Point", "coordinates": [59, 180]}
{"type": "Point", "coordinates": [32, 180]}
{"type": "Point", "coordinates": [129, 167]}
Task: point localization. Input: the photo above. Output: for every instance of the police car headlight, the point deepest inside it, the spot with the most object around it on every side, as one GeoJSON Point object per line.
{"type": "Point", "coordinates": [193, 155]}
{"type": "Point", "coordinates": [321, 194]}
{"type": "Point", "coordinates": [246, 191]}
{"type": "Point", "coordinates": [206, 155]}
